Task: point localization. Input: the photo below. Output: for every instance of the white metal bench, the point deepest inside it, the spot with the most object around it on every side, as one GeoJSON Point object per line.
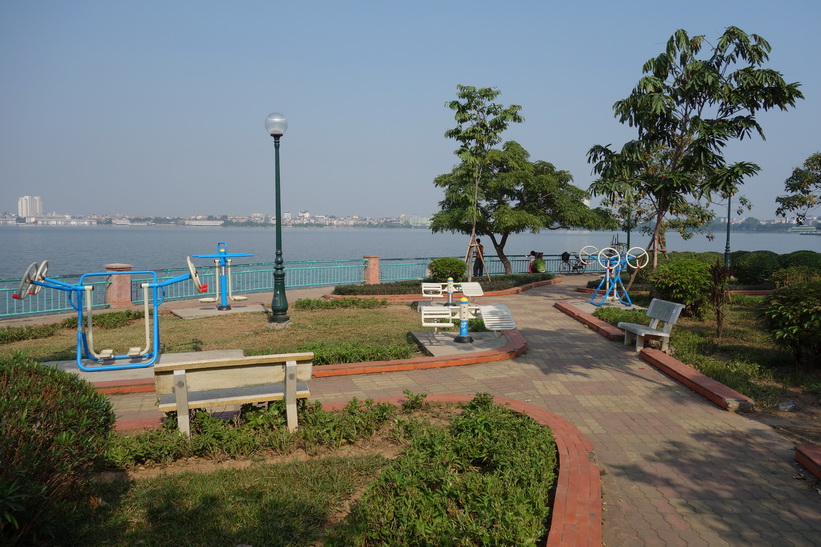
{"type": "Point", "coordinates": [438, 317]}
{"type": "Point", "coordinates": [232, 382]}
{"type": "Point", "coordinates": [497, 317]}
{"type": "Point", "coordinates": [663, 315]}
{"type": "Point", "coordinates": [433, 290]}
{"type": "Point", "coordinates": [470, 289]}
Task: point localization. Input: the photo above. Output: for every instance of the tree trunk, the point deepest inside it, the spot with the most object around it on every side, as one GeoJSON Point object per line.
{"type": "Point", "coordinates": [499, 247]}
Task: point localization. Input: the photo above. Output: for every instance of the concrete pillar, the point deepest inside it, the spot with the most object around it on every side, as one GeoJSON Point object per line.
{"type": "Point", "coordinates": [118, 293]}
{"type": "Point", "coordinates": [371, 270]}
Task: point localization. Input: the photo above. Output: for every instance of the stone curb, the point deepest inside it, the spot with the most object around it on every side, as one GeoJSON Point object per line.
{"type": "Point", "coordinates": [576, 518]}
{"type": "Point", "coordinates": [810, 457]}
{"type": "Point", "coordinates": [718, 393]}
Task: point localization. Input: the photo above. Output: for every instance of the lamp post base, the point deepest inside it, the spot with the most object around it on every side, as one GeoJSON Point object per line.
{"type": "Point", "coordinates": [277, 324]}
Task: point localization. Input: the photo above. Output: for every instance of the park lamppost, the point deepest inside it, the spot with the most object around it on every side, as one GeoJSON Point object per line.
{"type": "Point", "coordinates": [276, 124]}
{"type": "Point", "coordinates": [727, 246]}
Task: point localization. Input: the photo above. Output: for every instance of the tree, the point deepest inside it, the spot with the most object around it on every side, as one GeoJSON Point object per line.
{"type": "Point", "coordinates": [804, 186]}
{"type": "Point", "coordinates": [515, 195]}
{"type": "Point", "coordinates": [479, 125]}
{"type": "Point", "coordinates": [686, 109]}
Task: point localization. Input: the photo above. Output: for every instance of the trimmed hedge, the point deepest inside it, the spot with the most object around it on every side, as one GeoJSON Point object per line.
{"type": "Point", "coordinates": [54, 426]}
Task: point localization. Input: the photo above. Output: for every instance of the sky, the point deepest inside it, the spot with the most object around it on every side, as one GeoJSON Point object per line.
{"type": "Point", "coordinates": [157, 108]}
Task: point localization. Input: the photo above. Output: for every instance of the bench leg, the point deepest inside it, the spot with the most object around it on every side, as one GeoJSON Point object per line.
{"type": "Point", "coordinates": [628, 337]}
{"type": "Point", "coordinates": [181, 395]}
{"type": "Point", "coordinates": [639, 342]}
{"type": "Point", "coordinates": [290, 395]}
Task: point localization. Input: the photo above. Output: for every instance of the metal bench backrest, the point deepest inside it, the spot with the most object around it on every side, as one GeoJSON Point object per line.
{"type": "Point", "coordinates": [665, 312]}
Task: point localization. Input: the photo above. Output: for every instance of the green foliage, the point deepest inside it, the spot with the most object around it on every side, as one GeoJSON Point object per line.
{"type": "Point", "coordinates": [415, 401]}
{"type": "Point", "coordinates": [495, 283]}
{"type": "Point", "coordinates": [336, 303]}
{"type": "Point", "coordinates": [719, 295]}
{"type": "Point", "coordinates": [795, 274]}
{"type": "Point", "coordinates": [686, 108]}
{"type": "Point", "coordinates": [614, 315]}
{"type": "Point", "coordinates": [357, 420]}
{"type": "Point", "coordinates": [804, 187]}
{"type": "Point", "coordinates": [395, 287]}
{"type": "Point", "coordinates": [442, 268]}
{"type": "Point", "coordinates": [484, 481]}
{"type": "Point", "coordinates": [326, 353]}
{"type": "Point", "coordinates": [28, 332]}
{"type": "Point", "coordinates": [756, 267]}
{"type": "Point", "coordinates": [793, 315]}
{"type": "Point", "coordinates": [54, 425]}
{"type": "Point", "coordinates": [107, 320]}
{"type": "Point", "coordinates": [811, 259]}
{"type": "Point", "coordinates": [685, 281]}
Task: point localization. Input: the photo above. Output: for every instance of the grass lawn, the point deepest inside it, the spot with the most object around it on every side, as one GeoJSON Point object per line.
{"type": "Point", "coordinates": [387, 325]}
{"type": "Point", "coordinates": [416, 475]}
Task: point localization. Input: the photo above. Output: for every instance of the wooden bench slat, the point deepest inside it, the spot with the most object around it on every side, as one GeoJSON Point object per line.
{"type": "Point", "coordinates": [280, 359]}
{"type": "Point", "coordinates": [244, 375]}
{"type": "Point", "coordinates": [234, 381]}
{"type": "Point", "coordinates": [233, 396]}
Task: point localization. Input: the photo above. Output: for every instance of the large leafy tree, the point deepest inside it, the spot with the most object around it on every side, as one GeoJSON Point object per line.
{"type": "Point", "coordinates": [689, 104]}
{"type": "Point", "coordinates": [515, 195]}
{"type": "Point", "coordinates": [479, 126]}
{"type": "Point", "coordinates": [804, 187]}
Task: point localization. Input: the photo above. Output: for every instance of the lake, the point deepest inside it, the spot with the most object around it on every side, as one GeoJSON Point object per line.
{"type": "Point", "coordinates": [84, 249]}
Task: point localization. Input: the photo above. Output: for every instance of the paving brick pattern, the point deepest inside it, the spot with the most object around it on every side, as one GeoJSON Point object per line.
{"type": "Point", "coordinates": [677, 470]}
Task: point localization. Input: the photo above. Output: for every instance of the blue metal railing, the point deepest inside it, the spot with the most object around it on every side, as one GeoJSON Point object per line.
{"type": "Point", "coordinates": [248, 278]}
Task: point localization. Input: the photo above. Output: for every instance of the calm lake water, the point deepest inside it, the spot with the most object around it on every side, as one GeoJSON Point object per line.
{"type": "Point", "coordinates": [84, 249]}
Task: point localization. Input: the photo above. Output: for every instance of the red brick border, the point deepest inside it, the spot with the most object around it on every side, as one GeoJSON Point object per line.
{"type": "Point", "coordinates": [810, 457]}
{"type": "Point", "coordinates": [577, 512]}
{"type": "Point", "coordinates": [401, 297]}
{"type": "Point", "coordinates": [723, 396]}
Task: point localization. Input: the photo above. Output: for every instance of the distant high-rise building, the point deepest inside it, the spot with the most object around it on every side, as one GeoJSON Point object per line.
{"type": "Point", "coordinates": [29, 206]}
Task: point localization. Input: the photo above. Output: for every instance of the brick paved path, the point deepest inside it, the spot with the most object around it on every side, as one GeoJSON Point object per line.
{"type": "Point", "coordinates": [677, 469]}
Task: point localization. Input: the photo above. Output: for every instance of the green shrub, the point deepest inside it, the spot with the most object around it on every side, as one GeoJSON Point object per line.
{"type": "Point", "coordinates": [483, 481]}
{"type": "Point", "coordinates": [756, 267]}
{"type": "Point", "coordinates": [28, 332]}
{"type": "Point", "coordinates": [107, 320]}
{"type": "Point", "coordinates": [810, 259]}
{"type": "Point", "coordinates": [792, 314]}
{"type": "Point", "coordinates": [685, 281]}
{"type": "Point", "coordinates": [795, 274]}
{"type": "Point", "coordinates": [495, 283]}
{"type": "Point", "coordinates": [395, 287]}
{"type": "Point", "coordinates": [327, 353]}
{"type": "Point", "coordinates": [54, 425]}
{"type": "Point", "coordinates": [442, 268]}
{"type": "Point", "coordinates": [336, 303]}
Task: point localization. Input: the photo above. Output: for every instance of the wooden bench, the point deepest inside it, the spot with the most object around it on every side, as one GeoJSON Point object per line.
{"type": "Point", "coordinates": [232, 382]}
{"type": "Point", "coordinates": [663, 315]}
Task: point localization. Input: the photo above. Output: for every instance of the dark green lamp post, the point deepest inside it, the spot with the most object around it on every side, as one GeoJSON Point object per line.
{"type": "Point", "coordinates": [727, 246]}
{"type": "Point", "coordinates": [276, 124]}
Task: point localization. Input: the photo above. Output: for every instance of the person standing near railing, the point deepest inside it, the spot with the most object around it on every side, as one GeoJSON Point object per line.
{"type": "Point", "coordinates": [479, 261]}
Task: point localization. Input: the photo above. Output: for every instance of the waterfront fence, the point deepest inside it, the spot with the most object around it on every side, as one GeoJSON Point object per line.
{"type": "Point", "coordinates": [245, 278]}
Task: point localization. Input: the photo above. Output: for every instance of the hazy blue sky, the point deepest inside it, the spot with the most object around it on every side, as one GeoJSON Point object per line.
{"type": "Point", "coordinates": [158, 108]}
